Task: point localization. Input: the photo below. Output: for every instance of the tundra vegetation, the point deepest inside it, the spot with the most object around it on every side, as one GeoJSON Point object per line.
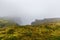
{"type": "Point", "coordinates": [12, 31]}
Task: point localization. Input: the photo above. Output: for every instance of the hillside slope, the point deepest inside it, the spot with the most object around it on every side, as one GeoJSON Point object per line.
{"type": "Point", "coordinates": [11, 31]}
{"type": "Point", "coordinates": [6, 22]}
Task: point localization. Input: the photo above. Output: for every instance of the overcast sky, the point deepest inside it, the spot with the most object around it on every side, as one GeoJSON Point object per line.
{"type": "Point", "coordinates": [29, 10]}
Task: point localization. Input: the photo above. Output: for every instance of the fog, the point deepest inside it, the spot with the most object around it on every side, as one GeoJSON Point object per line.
{"type": "Point", "coordinates": [27, 11]}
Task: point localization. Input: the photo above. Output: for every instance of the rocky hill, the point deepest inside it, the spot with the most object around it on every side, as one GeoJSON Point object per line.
{"type": "Point", "coordinates": [46, 21]}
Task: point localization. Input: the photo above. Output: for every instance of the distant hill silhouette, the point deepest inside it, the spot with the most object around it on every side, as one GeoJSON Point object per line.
{"type": "Point", "coordinates": [7, 22]}
{"type": "Point", "coordinates": [12, 19]}
{"type": "Point", "coordinates": [47, 20]}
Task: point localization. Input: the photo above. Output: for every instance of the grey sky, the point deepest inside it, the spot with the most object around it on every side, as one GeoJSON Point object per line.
{"type": "Point", "coordinates": [29, 10]}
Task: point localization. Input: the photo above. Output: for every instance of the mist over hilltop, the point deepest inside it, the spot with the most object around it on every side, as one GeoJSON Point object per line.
{"type": "Point", "coordinates": [29, 10]}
